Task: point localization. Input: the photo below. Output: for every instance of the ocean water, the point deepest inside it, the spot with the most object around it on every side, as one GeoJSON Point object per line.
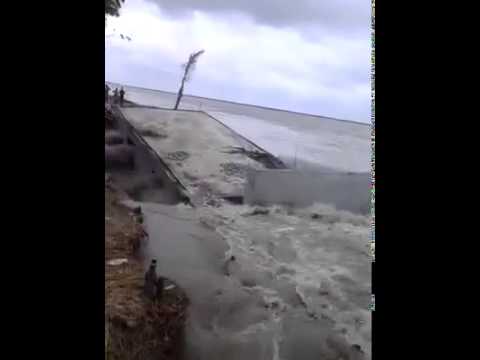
{"type": "Point", "coordinates": [299, 139]}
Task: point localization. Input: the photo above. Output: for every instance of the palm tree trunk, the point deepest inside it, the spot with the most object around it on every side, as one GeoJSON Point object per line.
{"type": "Point", "coordinates": [179, 96]}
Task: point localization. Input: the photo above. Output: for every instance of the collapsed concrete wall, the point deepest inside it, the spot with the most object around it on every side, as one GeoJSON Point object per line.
{"type": "Point", "coordinates": [346, 191]}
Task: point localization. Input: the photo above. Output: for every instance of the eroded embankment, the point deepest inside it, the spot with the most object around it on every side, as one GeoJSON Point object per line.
{"type": "Point", "coordinates": [135, 327]}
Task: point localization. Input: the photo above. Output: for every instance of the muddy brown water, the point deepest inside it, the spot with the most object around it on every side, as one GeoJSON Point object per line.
{"type": "Point", "coordinates": [251, 314]}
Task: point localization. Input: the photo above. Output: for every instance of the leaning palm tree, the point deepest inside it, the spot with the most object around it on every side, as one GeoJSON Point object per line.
{"type": "Point", "coordinates": [187, 74]}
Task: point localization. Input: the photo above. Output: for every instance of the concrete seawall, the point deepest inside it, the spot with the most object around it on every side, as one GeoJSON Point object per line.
{"type": "Point", "coordinates": [345, 191]}
{"type": "Point", "coordinates": [204, 156]}
{"type": "Point", "coordinates": [236, 133]}
{"type": "Point", "coordinates": [204, 138]}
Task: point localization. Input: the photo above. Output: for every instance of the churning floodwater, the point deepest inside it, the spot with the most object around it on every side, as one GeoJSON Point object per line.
{"type": "Point", "coordinates": [299, 288]}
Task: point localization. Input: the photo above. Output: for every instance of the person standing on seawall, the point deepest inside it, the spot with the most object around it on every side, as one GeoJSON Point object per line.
{"type": "Point", "coordinates": [122, 96]}
{"type": "Point", "coordinates": [107, 93]}
{"type": "Point", "coordinates": [115, 96]}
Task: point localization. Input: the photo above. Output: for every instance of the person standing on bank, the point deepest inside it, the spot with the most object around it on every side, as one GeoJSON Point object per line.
{"type": "Point", "coordinates": [151, 280]}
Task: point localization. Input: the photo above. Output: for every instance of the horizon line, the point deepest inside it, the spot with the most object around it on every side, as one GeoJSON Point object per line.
{"type": "Point", "coordinates": [245, 104]}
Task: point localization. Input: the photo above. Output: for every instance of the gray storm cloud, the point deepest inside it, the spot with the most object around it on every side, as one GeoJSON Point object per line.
{"type": "Point", "coordinates": [312, 56]}
{"type": "Point", "coordinates": [344, 14]}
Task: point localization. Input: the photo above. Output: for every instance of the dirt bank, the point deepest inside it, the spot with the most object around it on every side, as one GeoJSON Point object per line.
{"type": "Point", "coordinates": [135, 327]}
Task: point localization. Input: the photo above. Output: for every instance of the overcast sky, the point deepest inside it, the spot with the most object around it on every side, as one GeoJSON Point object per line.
{"type": "Point", "coordinates": [309, 56]}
